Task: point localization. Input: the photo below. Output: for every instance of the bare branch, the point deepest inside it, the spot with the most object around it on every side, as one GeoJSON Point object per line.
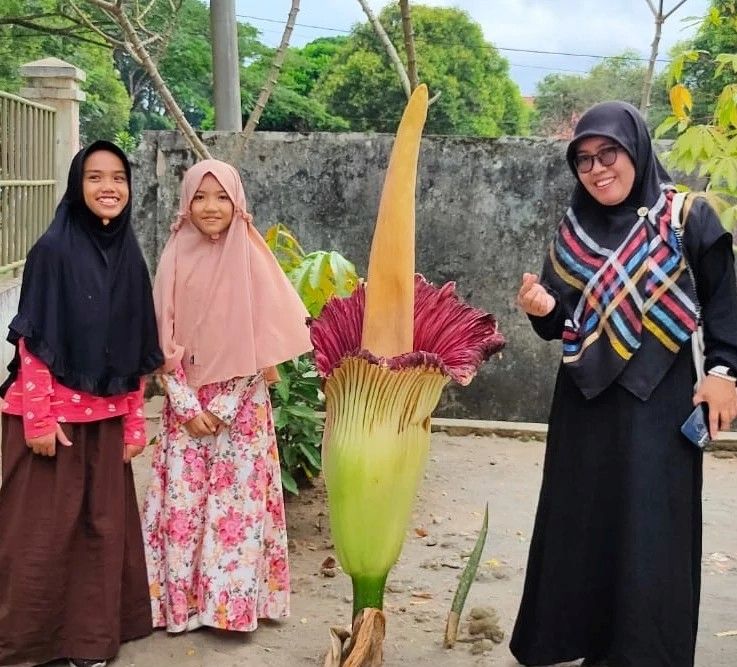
{"type": "Point", "coordinates": [91, 26]}
{"type": "Point", "coordinates": [13, 20]}
{"type": "Point", "coordinates": [388, 46]}
{"type": "Point", "coordinates": [102, 4]}
{"type": "Point", "coordinates": [409, 43]}
{"type": "Point", "coordinates": [129, 39]}
{"type": "Point", "coordinates": [674, 9]}
{"type": "Point", "coordinates": [273, 74]}
{"type": "Point", "coordinates": [660, 18]}
{"type": "Point", "coordinates": [151, 40]}
{"type": "Point", "coordinates": [135, 47]}
{"type": "Point", "coordinates": [67, 31]}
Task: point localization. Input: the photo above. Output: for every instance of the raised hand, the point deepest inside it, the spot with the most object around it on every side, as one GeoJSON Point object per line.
{"type": "Point", "coordinates": [533, 298]}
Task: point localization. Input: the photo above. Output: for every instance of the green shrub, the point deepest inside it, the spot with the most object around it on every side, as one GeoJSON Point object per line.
{"type": "Point", "coordinates": [297, 398]}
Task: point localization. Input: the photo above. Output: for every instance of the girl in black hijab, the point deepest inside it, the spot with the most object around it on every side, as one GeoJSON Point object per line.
{"type": "Point", "coordinates": [614, 566]}
{"type": "Point", "coordinates": [73, 582]}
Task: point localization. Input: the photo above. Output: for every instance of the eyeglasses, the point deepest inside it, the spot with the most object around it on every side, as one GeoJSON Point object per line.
{"type": "Point", "coordinates": [607, 156]}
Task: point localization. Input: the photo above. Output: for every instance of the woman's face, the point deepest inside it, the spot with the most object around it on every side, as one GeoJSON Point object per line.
{"type": "Point", "coordinates": [609, 184]}
{"type": "Point", "coordinates": [105, 185]}
{"type": "Point", "coordinates": [211, 208]}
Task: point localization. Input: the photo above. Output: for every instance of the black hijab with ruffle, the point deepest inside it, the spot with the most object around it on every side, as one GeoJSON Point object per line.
{"type": "Point", "coordinates": [85, 307]}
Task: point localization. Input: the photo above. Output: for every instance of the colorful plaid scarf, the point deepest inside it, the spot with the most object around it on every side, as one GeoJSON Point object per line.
{"type": "Point", "coordinates": [642, 284]}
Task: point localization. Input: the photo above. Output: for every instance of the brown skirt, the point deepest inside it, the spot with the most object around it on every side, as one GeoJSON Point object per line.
{"type": "Point", "coordinates": [72, 569]}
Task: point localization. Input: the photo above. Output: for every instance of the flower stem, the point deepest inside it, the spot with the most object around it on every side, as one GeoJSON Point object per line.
{"type": "Point", "coordinates": [368, 592]}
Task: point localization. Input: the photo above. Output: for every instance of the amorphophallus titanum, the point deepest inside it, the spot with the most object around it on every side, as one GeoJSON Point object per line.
{"type": "Point", "coordinates": [386, 352]}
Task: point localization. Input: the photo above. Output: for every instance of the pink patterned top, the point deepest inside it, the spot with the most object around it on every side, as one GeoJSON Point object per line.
{"type": "Point", "coordinates": [42, 401]}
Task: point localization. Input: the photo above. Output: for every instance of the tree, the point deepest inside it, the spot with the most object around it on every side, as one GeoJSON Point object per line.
{"type": "Point", "coordinates": [562, 98]}
{"type": "Point", "coordinates": [136, 28]}
{"type": "Point", "coordinates": [291, 107]}
{"type": "Point", "coordinates": [716, 34]}
{"type": "Point", "coordinates": [361, 85]}
{"type": "Point", "coordinates": [106, 109]}
{"type": "Point", "coordinates": [186, 66]}
{"type": "Point", "coordinates": [273, 73]}
{"type": "Point", "coordinates": [660, 16]}
{"type": "Point", "coordinates": [125, 28]}
{"type": "Point", "coordinates": [708, 148]}
{"type": "Point", "coordinates": [389, 47]}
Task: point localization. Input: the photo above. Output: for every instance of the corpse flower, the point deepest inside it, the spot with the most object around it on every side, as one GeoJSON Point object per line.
{"type": "Point", "coordinates": [386, 352]}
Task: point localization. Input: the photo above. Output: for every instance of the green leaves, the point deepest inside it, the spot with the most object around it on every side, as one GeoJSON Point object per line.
{"type": "Point", "coordinates": [478, 97]}
{"type": "Point", "coordinates": [297, 398]}
{"type": "Point", "coordinates": [675, 71]}
{"type": "Point", "coordinates": [322, 275]}
{"type": "Point", "coordinates": [708, 149]}
{"type": "Point", "coordinates": [726, 60]}
{"type": "Point", "coordinates": [560, 97]}
{"type": "Point", "coordinates": [284, 245]}
{"type": "Point", "coordinates": [725, 112]}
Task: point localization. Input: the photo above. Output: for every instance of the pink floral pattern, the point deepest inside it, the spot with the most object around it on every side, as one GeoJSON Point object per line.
{"type": "Point", "coordinates": [213, 518]}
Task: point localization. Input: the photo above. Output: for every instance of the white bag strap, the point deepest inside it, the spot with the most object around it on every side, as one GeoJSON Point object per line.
{"type": "Point", "coordinates": [676, 207]}
{"type": "Point", "coordinates": [697, 337]}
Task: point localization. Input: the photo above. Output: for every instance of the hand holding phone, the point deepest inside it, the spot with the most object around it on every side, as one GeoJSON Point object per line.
{"type": "Point", "coordinates": [696, 427]}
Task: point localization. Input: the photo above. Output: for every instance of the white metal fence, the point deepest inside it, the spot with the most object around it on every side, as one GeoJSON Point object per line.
{"type": "Point", "coordinates": [27, 185]}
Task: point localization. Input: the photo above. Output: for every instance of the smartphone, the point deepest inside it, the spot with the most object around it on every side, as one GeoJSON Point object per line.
{"type": "Point", "coordinates": [696, 427]}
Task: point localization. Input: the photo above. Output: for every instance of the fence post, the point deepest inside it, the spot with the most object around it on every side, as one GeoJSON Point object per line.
{"type": "Point", "coordinates": [55, 83]}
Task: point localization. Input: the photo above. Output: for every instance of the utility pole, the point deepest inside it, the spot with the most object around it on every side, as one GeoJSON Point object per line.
{"type": "Point", "coordinates": [225, 65]}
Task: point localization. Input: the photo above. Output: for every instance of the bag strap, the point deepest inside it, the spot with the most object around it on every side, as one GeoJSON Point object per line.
{"type": "Point", "coordinates": [679, 209]}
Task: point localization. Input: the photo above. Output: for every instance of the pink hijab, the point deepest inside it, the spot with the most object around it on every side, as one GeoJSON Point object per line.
{"type": "Point", "coordinates": [224, 307]}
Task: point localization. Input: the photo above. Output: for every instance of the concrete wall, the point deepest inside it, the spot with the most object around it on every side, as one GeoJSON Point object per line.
{"type": "Point", "coordinates": [486, 209]}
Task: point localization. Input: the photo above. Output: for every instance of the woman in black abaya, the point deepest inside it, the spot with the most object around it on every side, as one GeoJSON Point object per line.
{"type": "Point", "coordinates": [614, 566]}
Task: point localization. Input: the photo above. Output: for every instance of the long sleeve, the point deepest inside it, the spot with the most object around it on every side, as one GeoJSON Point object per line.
{"type": "Point", "coordinates": [550, 326]}
{"type": "Point", "coordinates": [224, 405]}
{"type": "Point", "coordinates": [717, 289]}
{"type": "Point", "coordinates": [35, 383]}
{"type": "Point", "coordinates": [134, 422]}
{"type": "Point", "coordinates": [709, 251]}
{"type": "Point", "coordinates": [182, 398]}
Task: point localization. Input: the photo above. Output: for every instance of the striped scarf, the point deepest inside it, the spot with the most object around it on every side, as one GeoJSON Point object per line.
{"type": "Point", "coordinates": [643, 283]}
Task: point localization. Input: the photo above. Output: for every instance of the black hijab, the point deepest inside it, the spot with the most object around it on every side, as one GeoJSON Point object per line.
{"type": "Point", "coordinates": [85, 307]}
{"type": "Point", "coordinates": [622, 123]}
{"type": "Point", "coordinates": [612, 332]}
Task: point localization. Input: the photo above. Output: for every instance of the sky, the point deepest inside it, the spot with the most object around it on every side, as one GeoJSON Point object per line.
{"type": "Point", "coordinates": [586, 27]}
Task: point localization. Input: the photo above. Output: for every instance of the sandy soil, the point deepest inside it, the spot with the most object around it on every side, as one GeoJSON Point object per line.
{"type": "Point", "coordinates": [463, 474]}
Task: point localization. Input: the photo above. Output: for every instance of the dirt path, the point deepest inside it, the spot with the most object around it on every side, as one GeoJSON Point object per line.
{"type": "Point", "coordinates": [463, 473]}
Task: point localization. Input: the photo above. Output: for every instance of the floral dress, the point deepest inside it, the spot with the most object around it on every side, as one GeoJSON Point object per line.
{"type": "Point", "coordinates": [213, 517]}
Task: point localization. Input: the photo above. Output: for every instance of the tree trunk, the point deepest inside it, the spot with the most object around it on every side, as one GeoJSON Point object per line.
{"type": "Point", "coordinates": [391, 51]}
{"type": "Point", "coordinates": [273, 74]}
{"type": "Point", "coordinates": [135, 47]}
{"type": "Point", "coordinates": [648, 84]}
{"type": "Point", "coordinates": [660, 18]}
{"type": "Point", "coordinates": [409, 43]}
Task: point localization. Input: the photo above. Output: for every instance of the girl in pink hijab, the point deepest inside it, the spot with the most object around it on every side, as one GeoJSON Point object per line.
{"type": "Point", "coordinates": [213, 518]}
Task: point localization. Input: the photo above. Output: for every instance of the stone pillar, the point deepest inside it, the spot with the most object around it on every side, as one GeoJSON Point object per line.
{"type": "Point", "coordinates": [56, 83]}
